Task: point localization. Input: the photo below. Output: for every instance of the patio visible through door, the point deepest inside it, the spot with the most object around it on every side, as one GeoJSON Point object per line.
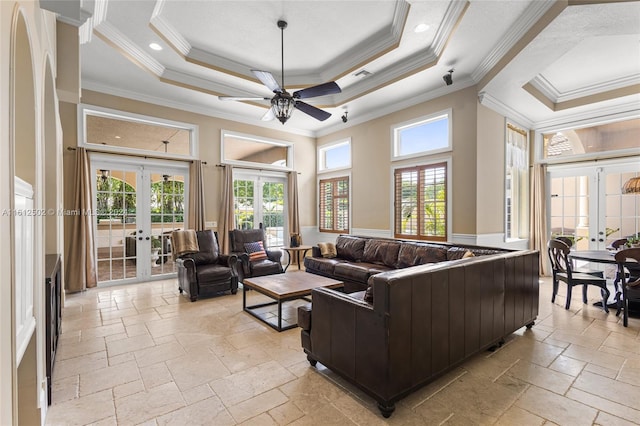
{"type": "Point", "coordinates": [260, 203]}
{"type": "Point", "coordinates": [137, 208]}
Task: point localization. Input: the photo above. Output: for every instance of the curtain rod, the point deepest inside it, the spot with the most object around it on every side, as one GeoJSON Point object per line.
{"type": "Point", "coordinates": [71, 148]}
{"type": "Point", "coordinates": [260, 170]}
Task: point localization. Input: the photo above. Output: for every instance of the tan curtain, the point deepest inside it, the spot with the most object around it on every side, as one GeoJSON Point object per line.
{"type": "Point", "coordinates": [225, 222]}
{"type": "Point", "coordinates": [81, 271]}
{"type": "Point", "coordinates": [294, 215]}
{"type": "Point", "coordinates": [195, 220]}
{"type": "Point", "coordinates": [538, 232]}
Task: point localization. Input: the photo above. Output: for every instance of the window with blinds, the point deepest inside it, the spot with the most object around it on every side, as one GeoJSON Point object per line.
{"type": "Point", "coordinates": [421, 202]}
{"type": "Point", "coordinates": [334, 205]}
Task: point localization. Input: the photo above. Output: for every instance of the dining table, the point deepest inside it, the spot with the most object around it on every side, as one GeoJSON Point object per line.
{"type": "Point", "coordinates": [605, 257]}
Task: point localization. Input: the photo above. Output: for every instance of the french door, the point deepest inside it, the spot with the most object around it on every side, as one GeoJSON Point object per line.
{"type": "Point", "coordinates": [138, 203]}
{"type": "Point", "coordinates": [586, 203]}
{"type": "Point", "coordinates": [260, 202]}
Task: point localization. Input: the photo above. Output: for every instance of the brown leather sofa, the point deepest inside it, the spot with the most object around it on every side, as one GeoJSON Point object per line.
{"type": "Point", "coordinates": [422, 322]}
{"type": "Point", "coordinates": [358, 258]}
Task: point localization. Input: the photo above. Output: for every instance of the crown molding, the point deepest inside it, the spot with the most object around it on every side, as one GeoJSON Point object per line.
{"type": "Point", "coordinates": [168, 32]}
{"type": "Point", "coordinates": [452, 17]}
{"type": "Point", "coordinates": [553, 94]}
{"type": "Point", "coordinates": [627, 110]}
{"type": "Point", "coordinates": [129, 49]}
{"type": "Point", "coordinates": [531, 15]}
{"type": "Point", "coordinates": [395, 107]}
{"type": "Point", "coordinates": [498, 106]}
{"type": "Point", "coordinates": [210, 112]}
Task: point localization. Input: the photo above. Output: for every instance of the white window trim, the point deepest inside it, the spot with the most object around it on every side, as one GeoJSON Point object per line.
{"type": "Point", "coordinates": [257, 139]}
{"type": "Point", "coordinates": [426, 162]}
{"type": "Point", "coordinates": [85, 110]}
{"type": "Point", "coordinates": [579, 124]}
{"type": "Point", "coordinates": [516, 124]}
{"type": "Point", "coordinates": [395, 128]}
{"type": "Point", "coordinates": [323, 148]}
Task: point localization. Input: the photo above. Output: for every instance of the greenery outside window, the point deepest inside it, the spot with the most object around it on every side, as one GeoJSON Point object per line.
{"type": "Point", "coordinates": [334, 205]}
{"type": "Point", "coordinates": [427, 135]}
{"type": "Point", "coordinates": [421, 202]}
{"type": "Point", "coordinates": [516, 182]}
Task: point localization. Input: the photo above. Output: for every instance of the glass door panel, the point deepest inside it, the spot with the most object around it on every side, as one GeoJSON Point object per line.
{"type": "Point", "coordinates": [167, 215]}
{"type": "Point", "coordinates": [273, 215]}
{"type": "Point", "coordinates": [259, 202]}
{"type": "Point", "coordinates": [586, 203]}
{"type": "Point", "coordinates": [137, 208]}
{"type": "Point", "coordinates": [570, 204]}
{"type": "Point", "coordinates": [116, 220]}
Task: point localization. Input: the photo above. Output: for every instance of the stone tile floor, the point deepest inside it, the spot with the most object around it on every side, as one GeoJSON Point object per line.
{"type": "Point", "coordinates": [143, 354]}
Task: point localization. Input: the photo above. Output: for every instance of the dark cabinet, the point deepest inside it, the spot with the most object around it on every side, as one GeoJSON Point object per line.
{"type": "Point", "coordinates": [53, 299]}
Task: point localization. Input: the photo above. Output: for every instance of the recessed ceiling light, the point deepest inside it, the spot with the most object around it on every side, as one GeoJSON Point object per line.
{"type": "Point", "coordinates": [420, 28]}
{"type": "Point", "coordinates": [155, 46]}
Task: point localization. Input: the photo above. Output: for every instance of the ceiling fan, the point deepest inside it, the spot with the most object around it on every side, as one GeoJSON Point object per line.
{"type": "Point", "coordinates": [283, 103]}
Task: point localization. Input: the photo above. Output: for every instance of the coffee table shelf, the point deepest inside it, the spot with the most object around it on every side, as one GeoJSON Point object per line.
{"type": "Point", "coordinates": [283, 288]}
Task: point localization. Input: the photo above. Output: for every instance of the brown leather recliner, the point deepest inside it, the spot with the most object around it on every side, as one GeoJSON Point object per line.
{"type": "Point", "coordinates": [208, 271]}
{"type": "Point", "coordinates": [246, 268]}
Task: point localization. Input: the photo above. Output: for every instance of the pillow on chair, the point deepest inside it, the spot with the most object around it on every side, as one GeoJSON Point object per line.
{"type": "Point", "coordinates": [256, 251]}
{"type": "Point", "coordinates": [328, 250]}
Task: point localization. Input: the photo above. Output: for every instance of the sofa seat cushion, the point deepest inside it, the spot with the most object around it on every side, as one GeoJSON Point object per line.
{"type": "Point", "coordinates": [412, 254]}
{"type": "Point", "coordinates": [358, 272]}
{"type": "Point", "coordinates": [382, 252]}
{"type": "Point", "coordinates": [265, 267]}
{"type": "Point", "coordinates": [322, 265]}
{"type": "Point", "coordinates": [213, 273]}
{"type": "Point", "coordinates": [350, 248]}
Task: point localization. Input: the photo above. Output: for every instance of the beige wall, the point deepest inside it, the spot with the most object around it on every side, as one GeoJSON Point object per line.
{"type": "Point", "coordinates": [490, 176]}
{"type": "Point", "coordinates": [372, 167]}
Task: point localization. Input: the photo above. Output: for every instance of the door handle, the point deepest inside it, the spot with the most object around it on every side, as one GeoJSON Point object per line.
{"type": "Point", "coordinates": [140, 238]}
{"type": "Point", "coordinates": [593, 240]}
{"type": "Point", "coordinates": [147, 238]}
{"type": "Point", "coordinates": [600, 240]}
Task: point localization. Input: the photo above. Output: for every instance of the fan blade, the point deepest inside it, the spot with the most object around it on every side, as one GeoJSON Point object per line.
{"type": "Point", "coordinates": [242, 98]}
{"type": "Point", "coordinates": [316, 113]}
{"type": "Point", "coordinates": [268, 116]}
{"type": "Point", "coordinates": [320, 90]}
{"type": "Point", "coordinates": [267, 79]}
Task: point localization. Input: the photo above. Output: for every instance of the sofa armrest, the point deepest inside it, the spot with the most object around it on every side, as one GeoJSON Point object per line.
{"type": "Point", "coordinates": [229, 260]}
{"type": "Point", "coordinates": [274, 255]}
{"type": "Point", "coordinates": [304, 317]}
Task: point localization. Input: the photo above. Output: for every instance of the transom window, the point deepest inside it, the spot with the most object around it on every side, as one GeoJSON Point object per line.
{"type": "Point", "coordinates": [334, 156]}
{"type": "Point", "coordinates": [334, 205]}
{"type": "Point", "coordinates": [427, 135]}
{"type": "Point", "coordinates": [248, 150]}
{"type": "Point", "coordinates": [421, 202]}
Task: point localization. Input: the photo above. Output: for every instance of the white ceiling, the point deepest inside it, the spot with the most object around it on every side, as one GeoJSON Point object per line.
{"type": "Point", "coordinates": [540, 62]}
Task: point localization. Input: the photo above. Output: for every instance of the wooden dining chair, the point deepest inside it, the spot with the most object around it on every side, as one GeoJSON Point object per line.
{"type": "Point", "coordinates": [581, 269]}
{"type": "Point", "coordinates": [630, 282]}
{"type": "Point", "coordinates": [563, 271]}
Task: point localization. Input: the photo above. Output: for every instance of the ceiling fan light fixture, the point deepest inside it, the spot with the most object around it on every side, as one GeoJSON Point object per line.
{"type": "Point", "coordinates": [282, 106]}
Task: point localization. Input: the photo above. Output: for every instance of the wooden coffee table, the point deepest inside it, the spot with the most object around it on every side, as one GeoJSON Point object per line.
{"type": "Point", "coordinates": [283, 288]}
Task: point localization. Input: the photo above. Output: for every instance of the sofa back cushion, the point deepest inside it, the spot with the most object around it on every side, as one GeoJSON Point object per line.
{"type": "Point", "coordinates": [382, 252]}
{"type": "Point", "coordinates": [350, 248]}
{"type": "Point", "coordinates": [412, 254]}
